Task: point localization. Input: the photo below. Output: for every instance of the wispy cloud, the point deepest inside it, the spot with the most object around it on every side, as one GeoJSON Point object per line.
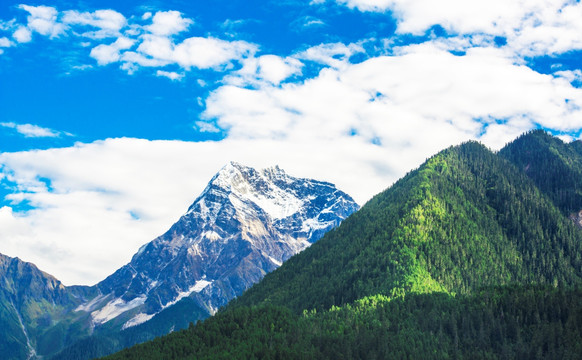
{"type": "Point", "coordinates": [108, 22]}
{"type": "Point", "coordinates": [33, 131]}
{"type": "Point", "coordinates": [305, 23]}
{"type": "Point", "coordinates": [170, 75]}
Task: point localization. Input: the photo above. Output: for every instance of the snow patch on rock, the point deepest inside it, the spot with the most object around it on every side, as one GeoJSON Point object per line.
{"type": "Point", "coordinates": [115, 308]}
{"type": "Point", "coordinates": [136, 320]}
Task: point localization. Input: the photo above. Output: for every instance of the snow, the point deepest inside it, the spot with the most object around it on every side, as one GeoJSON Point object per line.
{"type": "Point", "coordinates": [115, 308]}
{"type": "Point", "coordinates": [91, 305]}
{"type": "Point", "coordinates": [200, 285]}
{"type": "Point", "coordinates": [312, 224]}
{"type": "Point", "coordinates": [197, 287]}
{"type": "Point", "coordinates": [211, 235]}
{"type": "Point", "coordinates": [279, 205]}
{"type": "Point", "coordinates": [136, 320]}
{"type": "Point", "coordinates": [275, 261]}
{"type": "Point", "coordinates": [243, 182]}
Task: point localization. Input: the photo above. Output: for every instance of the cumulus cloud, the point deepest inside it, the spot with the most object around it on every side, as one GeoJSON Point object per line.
{"type": "Point", "coordinates": [43, 20]}
{"type": "Point", "coordinates": [22, 34]}
{"type": "Point", "coordinates": [156, 46]}
{"type": "Point", "coordinates": [361, 125]}
{"type": "Point", "coordinates": [170, 75]}
{"type": "Point", "coordinates": [167, 23]}
{"type": "Point", "coordinates": [32, 131]}
{"type": "Point", "coordinates": [532, 28]}
{"type": "Point", "coordinates": [335, 55]}
{"type": "Point", "coordinates": [5, 42]}
{"type": "Point", "coordinates": [401, 101]}
{"type": "Point", "coordinates": [267, 68]}
{"type": "Point", "coordinates": [197, 52]}
{"type": "Point", "coordinates": [109, 22]}
{"type": "Point", "coordinates": [106, 54]}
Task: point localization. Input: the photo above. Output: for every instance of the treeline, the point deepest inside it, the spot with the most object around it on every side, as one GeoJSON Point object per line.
{"type": "Point", "coordinates": [501, 322]}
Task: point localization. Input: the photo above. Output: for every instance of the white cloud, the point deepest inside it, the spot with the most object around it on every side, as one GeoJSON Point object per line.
{"type": "Point", "coordinates": [336, 55]}
{"type": "Point", "coordinates": [22, 34]}
{"type": "Point", "coordinates": [533, 27]}
{"type": "Point", "coordinates": [106, 54]}
{"type": "Point", "coordinates": [109, 22]}
{"type": "Point", "coordinates": [198, 52]}
{"type": "Point", "coordinates": [270, 68]}
{"type": "Point", "coordinates": [204, 126]}
{"type": "Point", "coordinates": [570, 75]}
{"type": "Point", "coordinates": [167, 23]}
{"type": "Point", "coordinates": [31, 131]}
{"type": "Point", "coordinates": [94, 191]}
{"type": "Point", "coordinates": [403, 101]}
{"type": "Point", "coordinates": [155, 44]}
{"type": "Point", "coordinates": [5, 42]}
{"type": "Point", "coordinates": [170, 75]}
{"type": "Point", "coordinates": [43, 20]}
{"type": "Point", "coordinates": [307, 23]}
{"type": "Point", "coordinates": [205, 53]}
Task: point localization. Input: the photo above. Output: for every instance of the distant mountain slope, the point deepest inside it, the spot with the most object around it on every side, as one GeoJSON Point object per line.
{"type": "Point", "coordinates": [30, 301]}
{"type": "Point", "coordinates": [466, 219]}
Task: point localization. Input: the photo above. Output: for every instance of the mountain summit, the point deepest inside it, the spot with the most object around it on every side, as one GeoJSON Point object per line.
{"type": "Point", "coordinates": [245, 224]}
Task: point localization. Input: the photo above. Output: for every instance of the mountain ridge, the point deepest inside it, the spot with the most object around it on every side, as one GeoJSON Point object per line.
{"type": "Point", "coordinates": [467, 223]}
{"type": "Point", "coordinates": [243, 225]}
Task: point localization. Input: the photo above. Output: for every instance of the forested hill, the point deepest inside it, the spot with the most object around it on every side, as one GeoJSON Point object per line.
{"type": "Point", "coordinates": [554, 166]}
{"type": "Point", "coordinates": [464, 221]}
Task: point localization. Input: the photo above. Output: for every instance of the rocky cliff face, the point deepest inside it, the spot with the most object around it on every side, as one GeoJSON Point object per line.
{"type": "Point", "coordinates": [245, 224]}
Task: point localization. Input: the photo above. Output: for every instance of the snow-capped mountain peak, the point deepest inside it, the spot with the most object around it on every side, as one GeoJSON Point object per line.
{"type": "Point", "coordinates": [243, 225]}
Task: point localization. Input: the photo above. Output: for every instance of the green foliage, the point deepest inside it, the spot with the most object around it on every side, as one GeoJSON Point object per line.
{"type": "Point", "coordinates": [465, 219]}
{"type": "Point", "coordinates": [106, 342]}
{"type": "Point", "coordinates": [501, 322]}
{"type": "Point", "coordinates": [554, 166]}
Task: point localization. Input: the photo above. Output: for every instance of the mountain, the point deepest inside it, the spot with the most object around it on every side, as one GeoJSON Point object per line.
{"type": "Point", "coordinates": [30, 302]}
{"type": "Point", "coordinates": [554, 166]}
{"type": "Point", "coordinates": [245, 224]}
{"type": "Point", "coordinates": [466, 218]}
{"type": "Point", "coordinates": [466, 256]}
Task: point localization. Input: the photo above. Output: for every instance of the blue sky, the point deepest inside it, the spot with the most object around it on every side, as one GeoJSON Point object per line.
{"type": "Point", "coordinates": [113, 116]}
